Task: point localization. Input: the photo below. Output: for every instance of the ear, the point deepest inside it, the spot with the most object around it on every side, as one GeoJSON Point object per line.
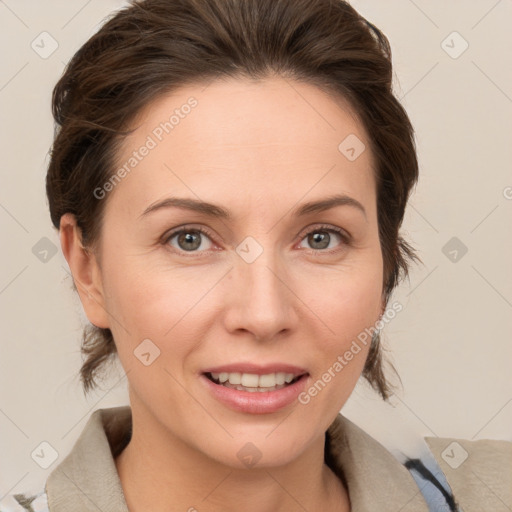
{"type": "Point", "coordinates": [85, 270]}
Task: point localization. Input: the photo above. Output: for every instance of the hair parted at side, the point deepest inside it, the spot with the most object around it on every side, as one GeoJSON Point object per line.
{"type": "Point", "coordinates": [152, 47]}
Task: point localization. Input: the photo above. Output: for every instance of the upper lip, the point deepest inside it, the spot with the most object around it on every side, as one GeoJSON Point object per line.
{"type": "Point", "coordinates": [257, 369]}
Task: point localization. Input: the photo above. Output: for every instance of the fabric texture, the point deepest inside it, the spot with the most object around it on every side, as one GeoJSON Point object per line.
{"type": "Point", "coordinates": [87, 479]}
{"type": "Point", "coordinates": [479, 472]}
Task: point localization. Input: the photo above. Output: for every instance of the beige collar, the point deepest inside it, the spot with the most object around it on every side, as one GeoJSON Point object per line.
{"type": "Point", "coordinates": [376, 480]}
{"type": "Point", "coordinates": [87, 479]}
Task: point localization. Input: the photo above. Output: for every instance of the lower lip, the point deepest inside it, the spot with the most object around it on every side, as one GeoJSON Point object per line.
{"type": "Point", "coordinates": [257, 402]}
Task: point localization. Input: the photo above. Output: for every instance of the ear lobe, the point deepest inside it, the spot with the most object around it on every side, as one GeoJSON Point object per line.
{"type": "Point", "coordinates": [85, 270]}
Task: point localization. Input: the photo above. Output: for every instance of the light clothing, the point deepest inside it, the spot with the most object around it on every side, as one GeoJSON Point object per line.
{"type": "Point", "coordinates": [87, 479]}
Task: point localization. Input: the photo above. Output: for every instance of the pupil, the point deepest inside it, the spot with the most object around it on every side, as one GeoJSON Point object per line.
{"type": "Point", "coordinates": [187, 238]}
{"type": "Point", "coordinates": [322, 238]}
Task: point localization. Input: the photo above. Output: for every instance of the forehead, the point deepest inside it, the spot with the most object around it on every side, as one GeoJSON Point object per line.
{"type": "Point", "coordinates": [238, 138]}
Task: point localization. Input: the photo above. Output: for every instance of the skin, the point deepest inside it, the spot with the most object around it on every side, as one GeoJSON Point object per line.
{"type": "Point", "coordinates": [258, 149]}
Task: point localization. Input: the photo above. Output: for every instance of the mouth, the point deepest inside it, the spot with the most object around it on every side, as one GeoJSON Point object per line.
{"type": "Point", "coordinates": [254, 388]}
{"type": "Point", "coordinates": [254, 383]}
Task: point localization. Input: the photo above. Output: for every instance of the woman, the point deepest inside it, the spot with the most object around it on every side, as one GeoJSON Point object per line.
{"type": "Point", "coordinates": [228, 179]}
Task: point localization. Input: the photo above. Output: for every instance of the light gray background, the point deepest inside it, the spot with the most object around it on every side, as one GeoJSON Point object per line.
{"type": "Point", "coordinates": [450, 344]}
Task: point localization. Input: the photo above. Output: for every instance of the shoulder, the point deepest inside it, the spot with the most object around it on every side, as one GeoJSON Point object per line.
{"type": "Point", "coordinates": [442, 474]}
{"type": "Point", "coordinates": [479, 472]}
{"type": "Point", "coordinates": [90, 462]}
{"type": "Point", "coordinates": [374, 476]}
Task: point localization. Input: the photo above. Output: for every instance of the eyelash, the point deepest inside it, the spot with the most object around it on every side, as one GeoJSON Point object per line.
{"type": "Point", "coordinates": [345, 237]}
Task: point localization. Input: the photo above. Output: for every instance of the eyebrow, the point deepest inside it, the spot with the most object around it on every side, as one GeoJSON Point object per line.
{"type": "Point", "coordinates": [213, 210]}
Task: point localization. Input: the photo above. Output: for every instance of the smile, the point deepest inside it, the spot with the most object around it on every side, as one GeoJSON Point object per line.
{"type": "Point", "coordinates": [252, 382]}
{"type": "Point", "coordinates": [255, 393]}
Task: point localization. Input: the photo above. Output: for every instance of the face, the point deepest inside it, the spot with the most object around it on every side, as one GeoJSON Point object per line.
{"type": "Point", "coordinates": [257, 284]}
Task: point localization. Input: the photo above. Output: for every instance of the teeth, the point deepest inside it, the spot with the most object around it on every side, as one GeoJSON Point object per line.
{"type": "Point", "coordinates": [251, 380]}
{"type": "Point", "coordinates": [280, 378]}
{"type": "Point", "coordinates": [252, 390]}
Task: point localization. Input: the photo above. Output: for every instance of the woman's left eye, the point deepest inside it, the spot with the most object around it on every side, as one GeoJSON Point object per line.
{"type": "Point", "coordinates": [320, 238]}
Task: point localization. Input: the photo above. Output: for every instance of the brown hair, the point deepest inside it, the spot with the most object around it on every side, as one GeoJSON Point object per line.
{"type": "Point", "coordinates": [152, 47]}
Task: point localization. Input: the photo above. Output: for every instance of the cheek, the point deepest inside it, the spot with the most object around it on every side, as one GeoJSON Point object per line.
{"type": "Point", "coordinates": [143, 302]}
{"type": "Point", "coordinates": [347, 299]}
{"type": "Point", "coordinates": [350, 312]}
{"type": "Point", "coordinates": [348, 303]}
{"type": "Point", "coordinates": [170, 306]}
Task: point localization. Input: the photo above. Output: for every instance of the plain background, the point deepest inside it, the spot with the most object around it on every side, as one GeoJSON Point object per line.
{"type": "Point", "coordinates": [450, 344]}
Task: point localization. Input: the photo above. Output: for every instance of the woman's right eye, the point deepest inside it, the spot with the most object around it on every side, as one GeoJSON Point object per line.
{"type": "Point", "coordinates": [189, 240]}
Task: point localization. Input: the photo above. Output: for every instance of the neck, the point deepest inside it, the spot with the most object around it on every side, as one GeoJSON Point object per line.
{"type": "Point", "coordinates": [188, 480]}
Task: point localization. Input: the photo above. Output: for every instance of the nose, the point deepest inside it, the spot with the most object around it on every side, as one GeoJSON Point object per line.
{"type": "Point", "coordinates": [260, 298]}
